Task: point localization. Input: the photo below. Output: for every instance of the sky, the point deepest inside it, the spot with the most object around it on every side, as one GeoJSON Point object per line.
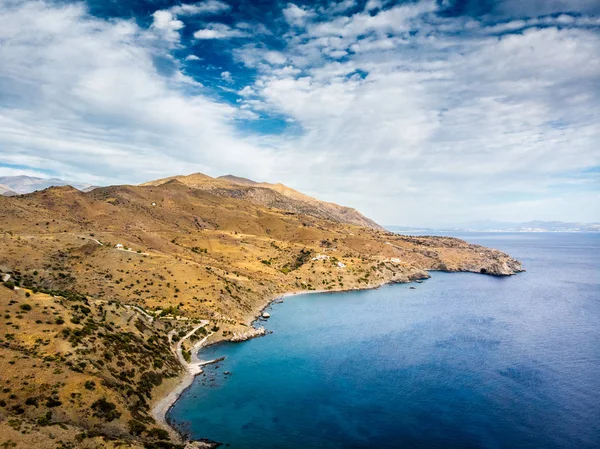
{"type": "Point", "coordinates": [417, 113]}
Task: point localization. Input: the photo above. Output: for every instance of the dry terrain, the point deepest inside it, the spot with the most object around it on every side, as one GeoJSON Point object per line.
{"type": "Point", "coordinates": [100, 287]}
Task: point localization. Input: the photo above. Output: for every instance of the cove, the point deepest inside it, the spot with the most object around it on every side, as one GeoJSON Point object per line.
{"type": "Point", "coordinates": [463, 360]}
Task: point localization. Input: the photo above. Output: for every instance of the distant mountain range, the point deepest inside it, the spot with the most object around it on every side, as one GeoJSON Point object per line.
{"type": "Point", "coordinates": [505, 226]}
{"type": "Point", "coordinates": [18, 185]}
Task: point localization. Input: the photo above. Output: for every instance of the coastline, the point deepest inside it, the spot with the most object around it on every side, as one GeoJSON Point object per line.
{"type": "Point", "coordinates": [163, 405]}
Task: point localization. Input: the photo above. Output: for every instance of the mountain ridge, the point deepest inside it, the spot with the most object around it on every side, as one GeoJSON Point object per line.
{"type": "Point", "coordinates": [22, 184]}
{"type": "Point", "coordinates": [276, 196]}
{"type": "Point", "coordinates": [505, 226]}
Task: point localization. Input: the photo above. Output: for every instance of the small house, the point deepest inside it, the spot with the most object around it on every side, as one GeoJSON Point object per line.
{"type": "Point", "coordinates": [119, 246]}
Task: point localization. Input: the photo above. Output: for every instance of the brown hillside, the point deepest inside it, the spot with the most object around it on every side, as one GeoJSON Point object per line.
{"type": "Point", "coordinates": [192, 259]}
{"type": "Point", "coordinates": [275, 196]}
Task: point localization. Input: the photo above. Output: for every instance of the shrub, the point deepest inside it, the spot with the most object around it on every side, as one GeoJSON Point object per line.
{"type": "Point", "coordinates": [159, 434]}
{"type": "Point", "coordinates": [25, 307]}
{"type": "Point", "coordinates": [136, 427]}
{"type": "Point", "coordinates": [105, 410]}
{"type": "Point", "coordinates": [52, 402]}
{"type": "Point", "coordinates": [45, 420]}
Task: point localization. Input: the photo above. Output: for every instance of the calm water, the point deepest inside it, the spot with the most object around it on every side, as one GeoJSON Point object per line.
{"type": "Point", "coordinates": [464, 360]}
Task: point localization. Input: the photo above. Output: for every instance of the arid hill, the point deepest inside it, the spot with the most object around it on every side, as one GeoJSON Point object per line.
{"type": "Point", "coordinates": [275, 196]}
{"type": "Point", "coordinates": [100, 286]}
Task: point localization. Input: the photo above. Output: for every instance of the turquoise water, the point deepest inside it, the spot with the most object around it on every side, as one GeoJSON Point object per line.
{"type": "Point", "coordinates": [463, 360]}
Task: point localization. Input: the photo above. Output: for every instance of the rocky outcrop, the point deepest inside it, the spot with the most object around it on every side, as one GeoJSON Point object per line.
{"type": "Point", "coordinates": [247, 335]}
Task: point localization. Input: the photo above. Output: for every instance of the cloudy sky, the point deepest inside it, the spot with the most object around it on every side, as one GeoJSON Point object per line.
{"type": "Point", "coordinates": [415, 112]}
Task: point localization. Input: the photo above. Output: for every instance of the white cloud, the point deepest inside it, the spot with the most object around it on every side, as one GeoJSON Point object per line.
{"type": "Point", "coordinates": [166, 25]}
{"type": "Point", "coordinates": [226, 76]}
{"type": "Point", "coordinates": [339, 7]}
{"type": "Point", "coordinates": [393, 20]}
{"type": "Point", "coordinates": [296, 15]}
{"type": "Point", "coordinates": [275, 57]}
{"type": "Point", "coordinates": [206, 7]}
{"type": "Point", "coordinates": [192, 58]}
{"type": "Point", "coordinates": [219, 31]}
{"type": "Point", "coordinates": [373, 4]}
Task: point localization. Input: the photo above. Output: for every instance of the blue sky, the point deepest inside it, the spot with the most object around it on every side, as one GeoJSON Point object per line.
{"type": "Point", "coordinates": [415, 112]}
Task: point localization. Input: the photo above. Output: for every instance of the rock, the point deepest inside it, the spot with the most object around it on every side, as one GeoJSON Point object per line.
{"type": "Point", "coordinates": [266, 315]}
{"type": "Point", "coordinates": [502, 268]}
{"type": "Point", "coordinates": [412, 288]}
{"type": "Point", "coordinates": [202, 443]}
{"type": "Point", "coordinates": [251, 333]}
{"type": "Point", "coordinates": [418, 275]}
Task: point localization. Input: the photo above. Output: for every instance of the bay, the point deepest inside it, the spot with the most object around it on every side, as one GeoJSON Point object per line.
{"type": "Point", "coordinates": [462, 360]}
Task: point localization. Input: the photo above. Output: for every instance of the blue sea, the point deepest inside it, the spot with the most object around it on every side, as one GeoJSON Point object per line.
{"type": "Point", "coordinates": [462, 361]}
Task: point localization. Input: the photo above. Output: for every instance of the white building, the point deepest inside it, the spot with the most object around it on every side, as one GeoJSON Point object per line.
{"type": "Point", "coordinates": [119, 246]}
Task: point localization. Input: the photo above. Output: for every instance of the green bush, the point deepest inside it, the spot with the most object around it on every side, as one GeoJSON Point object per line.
{"type": "Point", "coordinates": [159, 434]}
{"type": "Point", "coordinates": [105, 410]}
{"type": "Point", "coordinates": [53, 402]}
{"type": "Point", "coordinates": [136, 427]}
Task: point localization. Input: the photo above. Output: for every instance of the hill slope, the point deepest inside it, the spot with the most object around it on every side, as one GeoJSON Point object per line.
{"type": "Point", "coordinates": [275, 196]}
{"type": "Point", "coordinates": [88, 341]}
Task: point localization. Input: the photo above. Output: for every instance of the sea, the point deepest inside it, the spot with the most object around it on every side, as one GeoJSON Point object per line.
{"type": "Point", "coordinates": [461, 361]}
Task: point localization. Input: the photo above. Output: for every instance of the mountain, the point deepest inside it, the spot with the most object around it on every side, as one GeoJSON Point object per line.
{"type": "Point", "coordinates": [532, 226]}
{"type": "Point", "coordinates": [504, 226]}
{"type": "Point", "coordinates": [5, 190]}
{"type": "Point", "coordinates": [275, 196]}
{"type": "Point", "coordinates": [27, 184]}
{"type": "Point", "coordinates": [238, 180]}
{"type": "Point", "coordinates": [107, 294]}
